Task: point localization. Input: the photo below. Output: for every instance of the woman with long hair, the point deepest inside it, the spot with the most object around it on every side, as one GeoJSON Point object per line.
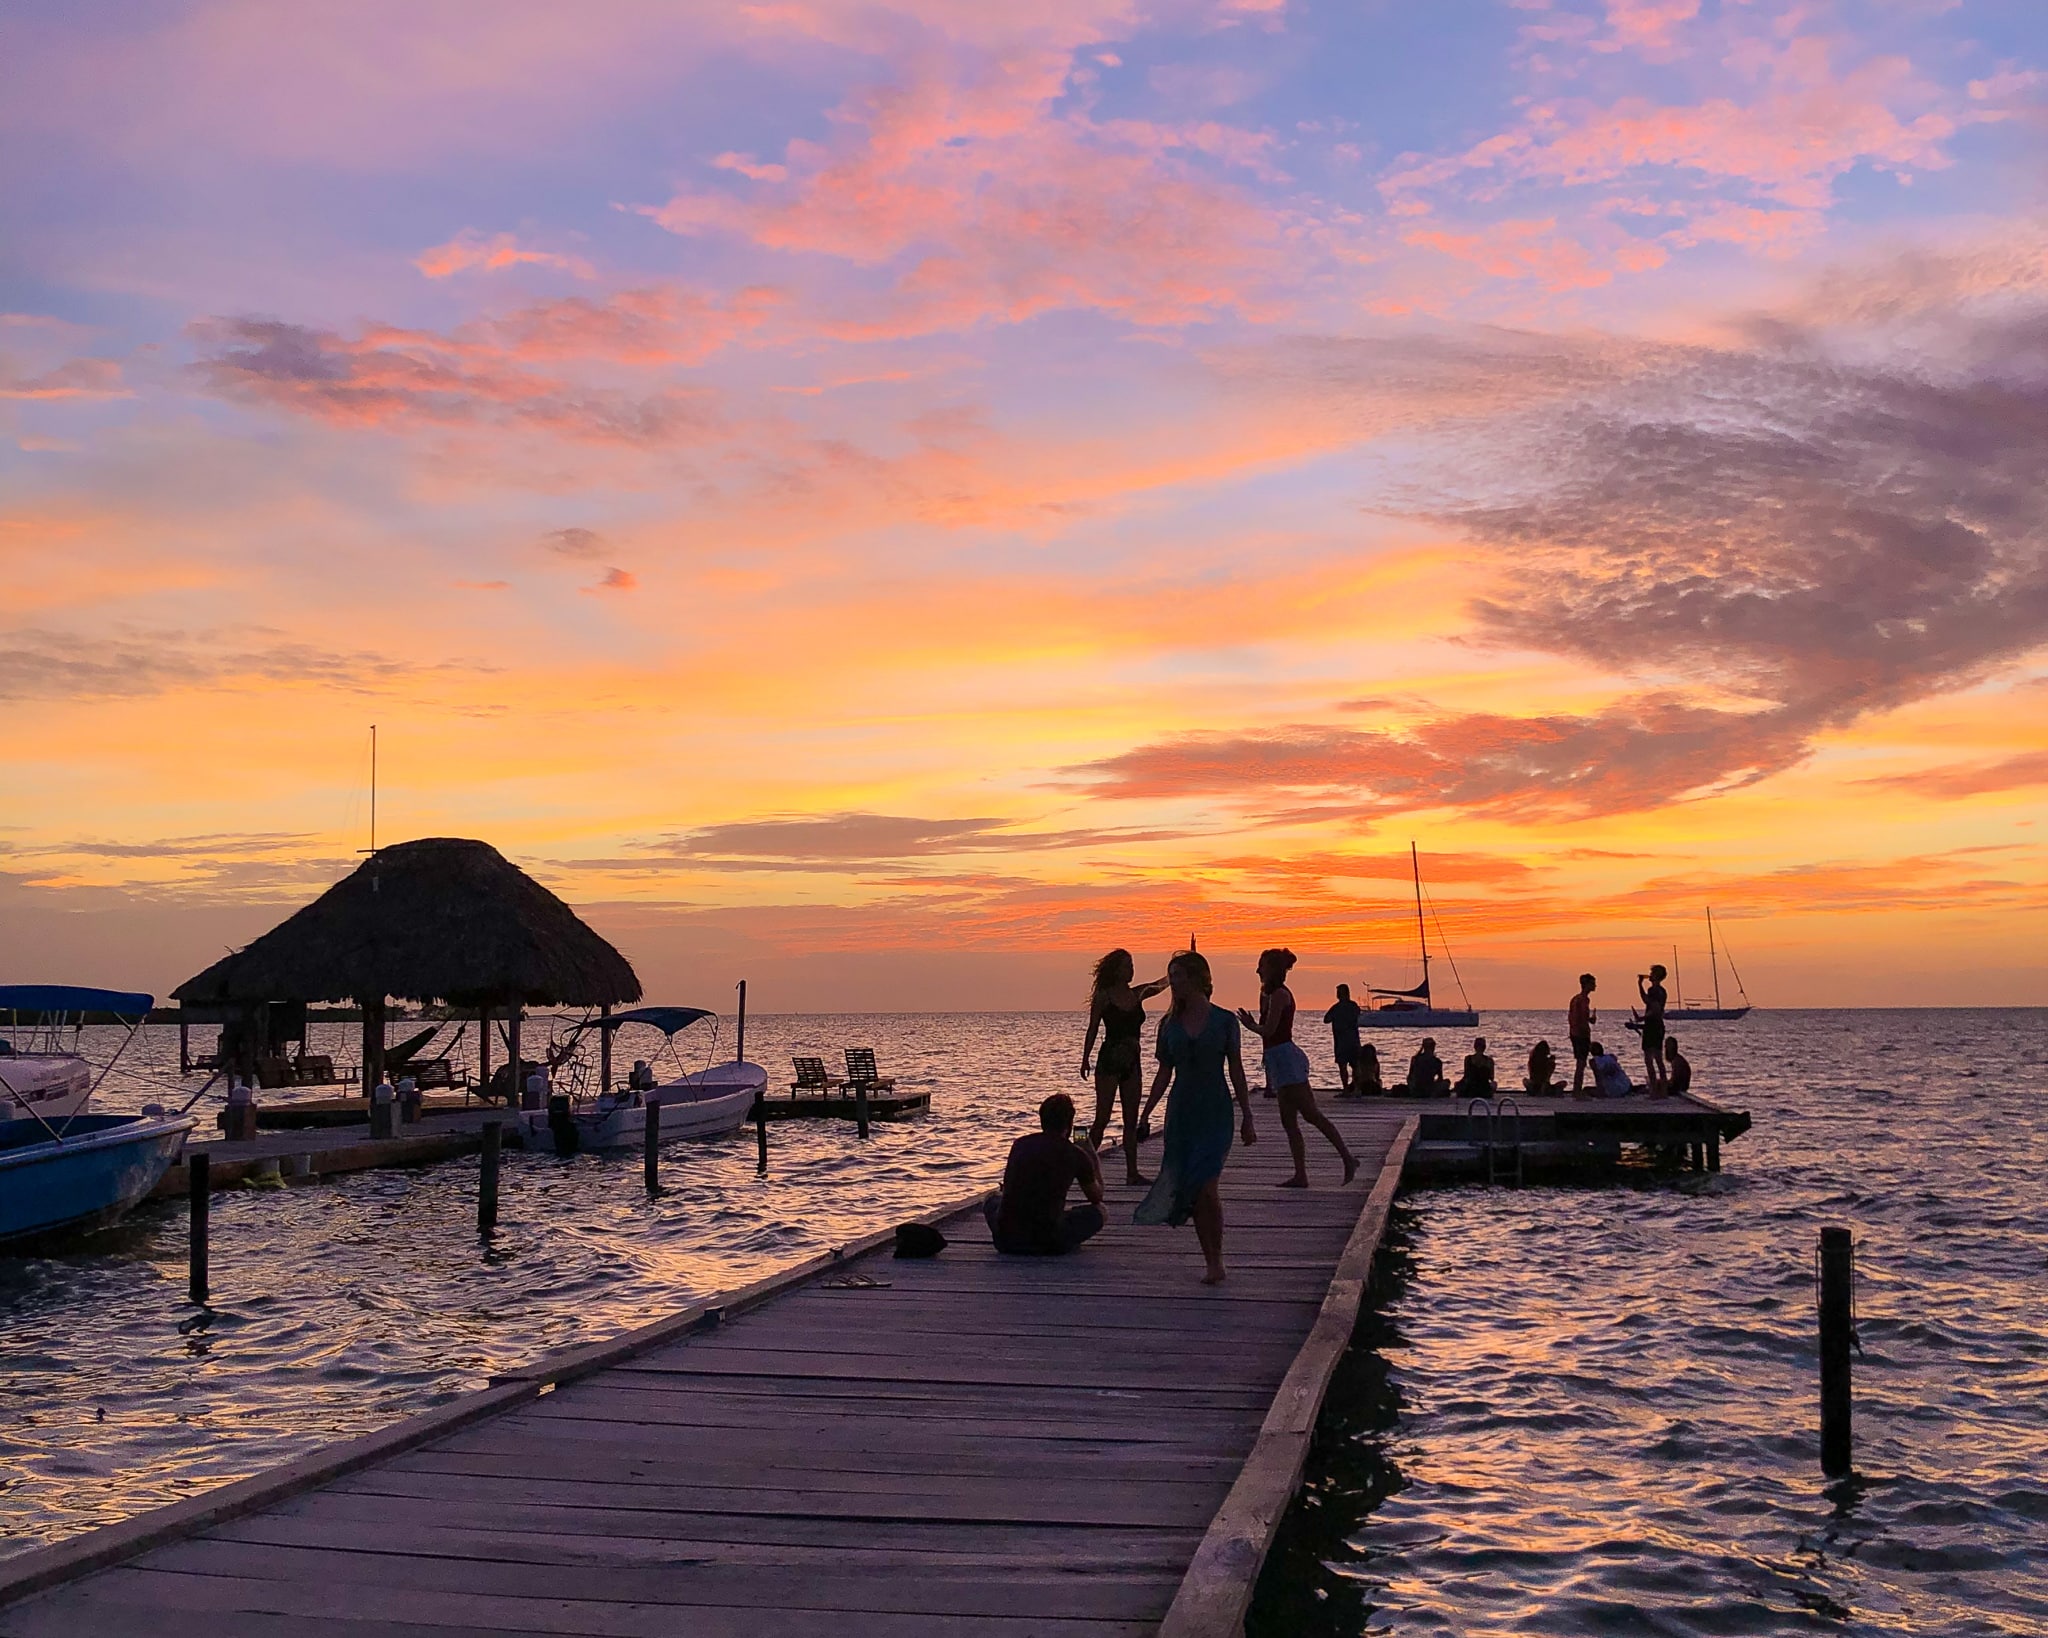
{"type": "Point", "coordinates": [1198, 1047]}
{"type": "Point", "coordinates": [1116, 1010]}
{"type": "Point", "coordinates": [1287, 1067]}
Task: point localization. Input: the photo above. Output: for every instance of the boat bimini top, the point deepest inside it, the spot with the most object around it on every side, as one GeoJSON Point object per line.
{"type": "Point", "coordinates": [668, 1020]}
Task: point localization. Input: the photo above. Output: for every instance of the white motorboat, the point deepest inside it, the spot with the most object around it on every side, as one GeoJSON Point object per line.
{"type": "Point", "coordinates": [1413, 1009]}
{"type": "Point", "coordinates": [42, 1072]}
{"type": "Point", "coordinates": [704, 1103]}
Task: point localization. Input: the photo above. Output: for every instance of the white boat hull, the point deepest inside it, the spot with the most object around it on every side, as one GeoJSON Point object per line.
{"type": "Point", "coordinates": [50, 1084]}
{"type": "Point", "coordinates": [1418, 1018]}
{"type": "Point", "coordinates": [712, 1103]}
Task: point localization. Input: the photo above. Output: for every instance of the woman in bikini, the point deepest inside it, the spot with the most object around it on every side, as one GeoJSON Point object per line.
{"type": "Point", "coordinates": [1287, 1067]}
{"type": "Point", "coordinates": [1116, 1010]}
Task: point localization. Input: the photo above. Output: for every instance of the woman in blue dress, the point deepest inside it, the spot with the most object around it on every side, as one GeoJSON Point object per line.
{"type": "Point", "coordinates": [1198, 1046]}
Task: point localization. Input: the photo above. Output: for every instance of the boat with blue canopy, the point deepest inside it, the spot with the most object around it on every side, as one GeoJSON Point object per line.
{"type": "Point", "coordinates": [63, 1170]}
{"type": "Point", "coordinates": [709, 1102]}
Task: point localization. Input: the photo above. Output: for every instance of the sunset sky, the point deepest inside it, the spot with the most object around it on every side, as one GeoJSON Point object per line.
{"type": "Point", "coordinates": [887, 500]}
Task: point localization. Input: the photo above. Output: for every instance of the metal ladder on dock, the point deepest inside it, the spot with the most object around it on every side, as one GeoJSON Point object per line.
{"type": "Point", "coordinates": [1494, 1110]}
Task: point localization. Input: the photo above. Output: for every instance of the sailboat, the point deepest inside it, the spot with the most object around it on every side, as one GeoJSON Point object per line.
{"type": "Point", "coordinates": [1411, 1009]}
{"type": "Point", "coordinates": [1695, 1012]}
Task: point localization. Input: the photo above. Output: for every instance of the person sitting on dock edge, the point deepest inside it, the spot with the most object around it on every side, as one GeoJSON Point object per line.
{"type": "Point", "coordinates": [1650, 986]}
{"type": "Point", "coordinates": [1365, 1078]}
{"type": "Point", "coordinates": [1610, 1080]}
{"type": "Point", "coordinates": [1579, 1018]}
{"type": "Point", "coordinates": [1477, 1079]}
{"type": "Point", "coordinates": [1541, 1078]}
{"type": "Point", "coordinates": [1426, 1072]}
{"type": "Point", "coordinates": [1029, 1216]}
{"type": "Point", "coordinates": [1677, 1069]}
{"type": "Point", "coordinates": [1343, 1021]}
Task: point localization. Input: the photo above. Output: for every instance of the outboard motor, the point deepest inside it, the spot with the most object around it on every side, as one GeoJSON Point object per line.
{"type": "Point", "coordinates": [568, 1138]}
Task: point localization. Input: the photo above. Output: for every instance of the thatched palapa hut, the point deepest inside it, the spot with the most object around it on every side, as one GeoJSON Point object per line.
{"type": "Point", "coordinates": [441, 919]}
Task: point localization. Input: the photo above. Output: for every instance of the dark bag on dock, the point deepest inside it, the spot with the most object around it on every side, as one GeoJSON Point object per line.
{"type": "Point", "coordinates": [918, 1240]}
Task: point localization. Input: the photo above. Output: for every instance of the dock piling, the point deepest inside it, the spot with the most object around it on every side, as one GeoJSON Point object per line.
{"type": "Point", "coordinates": [860, 1107]}
{"type": "Point", "coordinates": [761, 1134]}
{"type": "Point", "coordinates": [650, 1160]}
{"type": "Point", "coordinates": [1837, 1336]}
{"type": "Point", "coordinates": [201, 1185]}
{"type": "Point", "coordinates": [487, 1177]}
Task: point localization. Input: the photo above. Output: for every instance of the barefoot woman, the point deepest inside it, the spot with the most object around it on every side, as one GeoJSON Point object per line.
{"type": "Point", "coordinates": [1287, 1067]}
{"type": "Point", "coordinates": [1198, 1045]}
{"type": "Point", "coordinates": [1117, 1009]}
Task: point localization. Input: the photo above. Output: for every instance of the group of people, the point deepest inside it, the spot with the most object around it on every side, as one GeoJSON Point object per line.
{"type": "Point", "coordinates": [1200, 1072]}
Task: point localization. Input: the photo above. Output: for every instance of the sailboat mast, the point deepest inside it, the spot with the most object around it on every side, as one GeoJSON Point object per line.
{"type": "Point", "coordinates": [373, 789]}
{"type": "Point", "coordinates": [1421, 936]}
{"type": "Point", "coordinates": [1714, 958]}
{"type": "Point", "coordinates": [1677, 983]}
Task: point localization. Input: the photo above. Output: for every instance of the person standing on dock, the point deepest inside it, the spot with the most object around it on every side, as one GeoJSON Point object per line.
{"type": "Point", "coordinates": [1650, 986]}
{"type": "Point", "coordinates": [1029, 1216]}
{"type": "Point", "coordinates": [1343, 1021]}
{"type": "Point", "coordinates": [1579, 1019]}
{"type": "Point", "coordinates": [1198, 1047]}
{"type": "Point", "coordinates": [1287, 1067]}
{"type": "Point", "coordinates": [1116, 1008]}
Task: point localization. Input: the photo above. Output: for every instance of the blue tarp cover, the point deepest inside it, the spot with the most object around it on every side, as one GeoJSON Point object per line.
{"type": "Point", "coordinates": [70, 998]}
{"type": "Point", "coordinates": [666, 1019]}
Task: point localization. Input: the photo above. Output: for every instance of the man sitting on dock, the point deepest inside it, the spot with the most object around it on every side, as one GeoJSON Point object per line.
{"type": "Point", "coordinates": [1029, 1216]}
{"type": "Point", "coordinates": [1610, 1080]}
{"type": "Point", "coordinates": [1677, 1068]}
{"type": "Point", "coordinates": [1426, 1072]}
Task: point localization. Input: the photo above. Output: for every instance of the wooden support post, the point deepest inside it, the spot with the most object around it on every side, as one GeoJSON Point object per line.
{"type": "Point", "coordinates": [373, 1042]}
{"type": "Point", "coordinates": [761, 1134]}
{"type": "Point", "coordinates": [201, 1184]}
{"type": "Point", "coordinates": [483, 1052]}
{"type": "Point", "coordinates": [650, 1159]}
{"type": "Point", "coordinates": [487, 1177]}
{"type": "Point", "coordinates": [1713, 1148]}
{"type": "Point", "coordinates": [604, 1049]}
{"type": "Point", "coordinates": [184, 1046]}
{"type": "Point", "coordinates": [518, 1097]}
{"type": "Point", "coordinates": [860, 1107]}
{"type": "Point", "coordinates": [1837, 1334]}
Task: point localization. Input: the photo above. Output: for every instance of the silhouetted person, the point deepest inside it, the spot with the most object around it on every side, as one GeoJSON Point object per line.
{"type": "Point", "coordinates": [1116, 1007]}
{"type": "Point", "coordinates": [1343, 1021]}
{"type": "Point", "coordinates": [1426, 1072]}
{"type": "Point", "coordinates": [1287, 1068]}
{"type": "Point", "coordinates": [1579, 1018]}
{"type": "Point", "coordinates": [1028, 1216]}
{"type": "Point", "coordinates": [1366, 1081]}
{"type": "Point", "coordinates": [1650, 986]}
{"type": "Point", "coordinates": [1477, 1079]}
{"type": "Point", "coordinates": [1542, 1075]}
{"type": "Point", "coordinates": [1677, 1068]}
{"type": "Point", "coordinates": [1610, 1080]}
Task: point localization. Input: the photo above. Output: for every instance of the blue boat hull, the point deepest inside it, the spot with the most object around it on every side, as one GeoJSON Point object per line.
{"type": "Point", "coordinates": [103, 1166]}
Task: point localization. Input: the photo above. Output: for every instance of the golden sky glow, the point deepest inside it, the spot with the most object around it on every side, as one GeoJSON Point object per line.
{"type": "Point", "coordinates": [889, 499]}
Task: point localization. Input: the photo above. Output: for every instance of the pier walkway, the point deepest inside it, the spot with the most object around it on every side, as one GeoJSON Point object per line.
{"type": "Point", "coordinates": [1081, 1447]}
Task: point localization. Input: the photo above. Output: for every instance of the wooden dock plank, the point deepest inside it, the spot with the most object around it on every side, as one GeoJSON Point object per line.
{"type": "Point", "coordinates": [976, 1444]}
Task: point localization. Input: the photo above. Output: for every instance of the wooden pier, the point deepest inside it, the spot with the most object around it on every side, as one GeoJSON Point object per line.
{"type": "Point", "coordinates": [308, 1155]}
{"type": "Point", "coordinates": [1083, 1447]}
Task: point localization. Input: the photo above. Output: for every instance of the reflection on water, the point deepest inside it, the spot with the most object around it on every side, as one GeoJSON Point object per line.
{"type": "Point", "coordinates": [1572, 1410]}
{"type": "Point", "coordinates": [1597, 1409]}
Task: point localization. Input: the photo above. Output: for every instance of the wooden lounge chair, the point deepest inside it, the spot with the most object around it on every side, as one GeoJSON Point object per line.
{"type": "Point", "coordinates": [861, 1073]}
{"type": "Point", "coordinates": [811, 1077]}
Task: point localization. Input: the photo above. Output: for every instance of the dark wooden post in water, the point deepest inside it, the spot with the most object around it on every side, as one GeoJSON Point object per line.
{"type": "Point", "coordinates": [650, 1161]}
{"type": "Point", "coordinates": [739, 1051]}
{"type": "Point", "coordinates": [604, 1049]}
{"type": "Point", "coordinates": [487, 1177]}
{"type": "Point", "coordinates": [201, 1183]}
{"type": "Point", "coordinates": [1713, 1148]}
{"type": "Point", "coordinates": [483, 1052]}
{"type": "Point", "coordinates": [373, 1042]}
{"type": "Point", "coordinates": [761, 1134]}
{"type": "Point", "coordinates": [518, 1098]}
{"type": "Point", "coordinates": [860, 1107]}
{"type": "Point", "coordinates": [184, 1046]}
{"type": "Point", "coordinates": [1837, 1335]}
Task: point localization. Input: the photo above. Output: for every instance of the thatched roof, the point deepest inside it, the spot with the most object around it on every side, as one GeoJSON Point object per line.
{"type": "Point", "coordinates": [434, 920]}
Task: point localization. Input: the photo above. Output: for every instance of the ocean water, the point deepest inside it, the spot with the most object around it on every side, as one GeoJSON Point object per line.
{"type": "Point", "coordinates": [1570, 1410]}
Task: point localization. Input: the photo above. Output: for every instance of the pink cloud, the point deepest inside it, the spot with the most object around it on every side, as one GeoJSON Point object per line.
{"type": "Point", "coordinates": [618, 580]}
{"type": "Point", "coordinates": [77, 378]}
{"type": "Point", "coordinates": [472, 252]}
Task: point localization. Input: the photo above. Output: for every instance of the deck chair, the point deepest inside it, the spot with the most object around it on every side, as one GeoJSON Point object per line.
{"type": "Point", "coordinates": [811, 1076]}
{"type": "Point", "coordinates": [861, 1072]}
